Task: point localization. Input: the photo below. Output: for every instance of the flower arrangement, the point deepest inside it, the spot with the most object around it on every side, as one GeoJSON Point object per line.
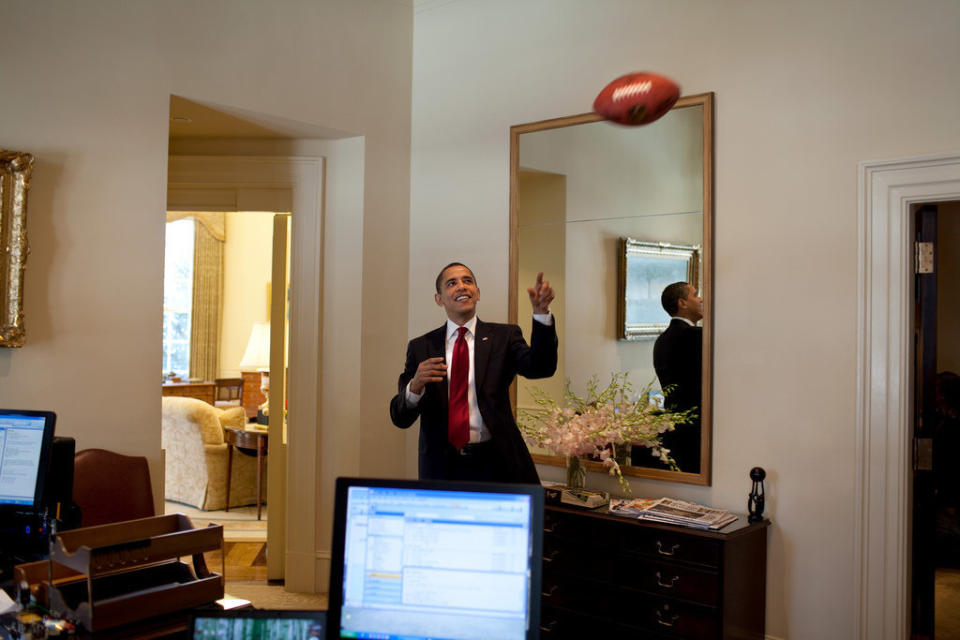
{"type": "Point", "coordinates": [597, 424]}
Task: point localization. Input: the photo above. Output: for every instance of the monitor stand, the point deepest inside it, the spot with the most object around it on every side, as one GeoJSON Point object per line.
{"type": "Point", "coordinates": [23, 538]}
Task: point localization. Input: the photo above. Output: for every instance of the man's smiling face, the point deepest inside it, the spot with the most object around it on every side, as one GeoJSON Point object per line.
{"type": "Point", "coordinates": [458, 293]}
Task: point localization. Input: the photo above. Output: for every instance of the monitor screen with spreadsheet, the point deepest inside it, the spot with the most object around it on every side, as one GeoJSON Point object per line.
{"type": "Point", "coordinates": [418, 560]}
{"type": "Point", "coordinates": [25, 441]}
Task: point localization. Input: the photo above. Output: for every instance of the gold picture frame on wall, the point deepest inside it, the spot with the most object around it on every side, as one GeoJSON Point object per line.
{"type": "Point", "coordinates": [15, 171]}
{"type": "Point", "coordinates": [645, 269]}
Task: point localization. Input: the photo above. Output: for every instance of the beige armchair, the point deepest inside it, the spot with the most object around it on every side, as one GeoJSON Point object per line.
{"type": "Point", "coordinates": [196, 456]}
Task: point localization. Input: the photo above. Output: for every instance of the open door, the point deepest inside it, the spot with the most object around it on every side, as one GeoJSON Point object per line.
{"type": "Point", "coordinates": [277, 470]}
{"type": "Point", "coordinates": [924, 424]}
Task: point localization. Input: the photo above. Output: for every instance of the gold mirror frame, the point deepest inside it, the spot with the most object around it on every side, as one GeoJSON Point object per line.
{"type": "Point", "coordinates": [704, 100]}
{"type": "Point", "coordinates": [15, 171]}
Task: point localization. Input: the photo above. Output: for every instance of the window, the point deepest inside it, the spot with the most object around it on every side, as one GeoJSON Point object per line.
{"type": "Point", "coordinates": [177, 296]}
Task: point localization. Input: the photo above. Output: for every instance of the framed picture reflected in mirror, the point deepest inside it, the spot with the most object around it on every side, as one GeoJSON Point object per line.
{"type": "Point", "coordinates": [645, 269]}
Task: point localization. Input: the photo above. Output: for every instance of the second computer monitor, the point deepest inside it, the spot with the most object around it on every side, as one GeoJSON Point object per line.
{"type": "Point", "coordinates": [436, 560]}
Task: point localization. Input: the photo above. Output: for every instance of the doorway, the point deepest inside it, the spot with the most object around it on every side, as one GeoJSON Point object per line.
{"type": "Point", "coordinates": [245, 262]}
{"type": "Point", "coordinates": [935, 592]}
{"type": "Point", "coordinates": [882, 552]}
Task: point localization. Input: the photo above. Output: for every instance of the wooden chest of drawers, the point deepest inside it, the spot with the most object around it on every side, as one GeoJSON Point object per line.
{"type": "Point", "coordinates": [615, 577]}
{"type": "Point", "coordinates": [200, 390]}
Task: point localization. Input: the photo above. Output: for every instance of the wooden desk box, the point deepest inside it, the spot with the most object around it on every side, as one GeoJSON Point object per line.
{"type": "Point", "coordinates": [114, 574]}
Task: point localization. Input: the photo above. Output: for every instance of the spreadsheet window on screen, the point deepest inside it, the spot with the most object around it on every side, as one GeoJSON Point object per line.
{"type": "Point", "coordinates": [423, 563]}
{"type": "Point", "coordinates": [21, 442]}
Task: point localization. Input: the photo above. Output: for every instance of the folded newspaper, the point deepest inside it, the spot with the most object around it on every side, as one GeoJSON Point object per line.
{"type": "Point", "coordinates": [670, 511]}
{"type": "Point", "coordinates": [557, 493]}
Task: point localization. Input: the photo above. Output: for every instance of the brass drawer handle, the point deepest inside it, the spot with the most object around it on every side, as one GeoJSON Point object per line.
{"type": "Point", "coordinates": [551, 528]}
{"type": "Point", "coordinates": [551, 557]}
{"type": "Point", "coordinates": [550, 592]}
{"type": "Point", "coordinates": [673, 549]}
{"type": "Point", "coordinates": [548, 628]}
{"type": "Point", "coordinates": [673, 581]}
{"type": "Point", "coordinates": [670, 623]}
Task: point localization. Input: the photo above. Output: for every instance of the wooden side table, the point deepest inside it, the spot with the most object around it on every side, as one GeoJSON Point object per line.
{"type": "Point", "coordinates": [243, 439]}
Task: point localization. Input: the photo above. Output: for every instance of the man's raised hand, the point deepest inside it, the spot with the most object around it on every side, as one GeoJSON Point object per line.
{"type": "Point", "coordinates": [541, 295]}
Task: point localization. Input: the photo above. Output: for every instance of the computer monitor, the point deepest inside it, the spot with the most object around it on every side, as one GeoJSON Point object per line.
{"type": "Point", "coordinates": [245, 624]}
{"type": "Point", "coordinates": [26, 438]}
{"type": "Point", "coordinates": [453, 560]}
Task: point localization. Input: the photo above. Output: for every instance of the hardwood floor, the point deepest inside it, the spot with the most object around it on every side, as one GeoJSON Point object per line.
{"type": "Point", "coordinates": [243, 561]}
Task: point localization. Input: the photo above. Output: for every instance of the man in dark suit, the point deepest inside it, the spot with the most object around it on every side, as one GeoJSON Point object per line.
{"type": "Point", "coordinates": [677, 359]}
{"type": "Point", "coordinates": [467, 429]}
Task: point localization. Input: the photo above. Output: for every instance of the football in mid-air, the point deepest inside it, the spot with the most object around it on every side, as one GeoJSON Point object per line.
{"type": "Point", "coordinates": [637, 98]}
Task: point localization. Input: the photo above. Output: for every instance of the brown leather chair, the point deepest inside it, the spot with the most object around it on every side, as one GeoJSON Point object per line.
{"type": "Point", "coordinates": [228, 392]}
{"type": "Point", "coordinates": [111, 487]}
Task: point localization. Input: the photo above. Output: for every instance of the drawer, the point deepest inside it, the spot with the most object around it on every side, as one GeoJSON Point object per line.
{"type": "Point", "coordinates": [590, 532]}
{"type": "Point", "coordinates": [672, 579]}
{"type": "Point", "coordinates": [578, 594]}
{"type": "Point", "coordinates": [577, 558]}
{"type": "Point", "coordinates": [561, 624]}
{"type": "Point", "coordinates": [667, 545]}
{"type": "Point", "coordinates": [670, 618]}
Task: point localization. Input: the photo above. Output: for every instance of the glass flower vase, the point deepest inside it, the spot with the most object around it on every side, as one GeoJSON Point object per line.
{"type": "Point", "coordinates": [576, 473]}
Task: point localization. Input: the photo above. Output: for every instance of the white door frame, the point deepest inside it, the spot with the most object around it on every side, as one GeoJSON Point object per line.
{"type": "Point", "coordinates": [273, 183]}
{"type": "Point", "coordinates": [887, 189]}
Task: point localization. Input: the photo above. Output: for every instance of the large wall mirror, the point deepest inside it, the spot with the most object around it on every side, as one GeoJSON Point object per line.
{"type": "Point", "coordinates": [581, 191]}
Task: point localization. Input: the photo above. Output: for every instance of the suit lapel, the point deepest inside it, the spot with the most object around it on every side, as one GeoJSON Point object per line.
{"type": "Point", "coordinates": [481, 354]}
{"type": "Point", "coordinates": [437, 341]}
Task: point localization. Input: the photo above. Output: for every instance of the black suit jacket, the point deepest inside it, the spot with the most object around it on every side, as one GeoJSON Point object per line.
{"type": "Point", "coordinates": [678, 361]}
{"type": "Point", "coordinates": [499, 354]}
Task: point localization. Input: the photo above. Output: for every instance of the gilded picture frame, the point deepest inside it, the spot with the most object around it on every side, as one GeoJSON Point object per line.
{"type": "Point", "coordinates": [15, 171]}
{"type": "Point", "coordinates": [645, 269]}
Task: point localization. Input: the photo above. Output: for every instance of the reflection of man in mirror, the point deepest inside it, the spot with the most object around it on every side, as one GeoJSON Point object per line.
{"type": "Point", "coordinates": [457, 380]}
{"type": "Point", "coordinates": [677, 359]}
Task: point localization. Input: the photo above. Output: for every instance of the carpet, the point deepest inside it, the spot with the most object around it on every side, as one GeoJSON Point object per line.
{"type": "Point", "coordinates": [269, 596]}
{"type": "Point", "coordinates": [947, 597]}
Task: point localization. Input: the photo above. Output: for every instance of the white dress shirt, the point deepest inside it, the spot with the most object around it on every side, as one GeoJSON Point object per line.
{"type": "Point", "coordinates": [478, 430]}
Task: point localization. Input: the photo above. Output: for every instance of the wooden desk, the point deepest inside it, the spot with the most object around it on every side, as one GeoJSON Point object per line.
{"type": "Point", "coordinates": [634, 578]}
{"type": "Point", "coordinates": [200, 390]}
{"type": "Point", "coordinates": [243, 439]}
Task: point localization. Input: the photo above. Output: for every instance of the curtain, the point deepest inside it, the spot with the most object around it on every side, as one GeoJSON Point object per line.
{"type": "Point", "coordinates": [207, 295]}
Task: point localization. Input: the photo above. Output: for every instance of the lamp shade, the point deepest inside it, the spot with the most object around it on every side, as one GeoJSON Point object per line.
{"type": "Point", "coordinates": [257, 355]}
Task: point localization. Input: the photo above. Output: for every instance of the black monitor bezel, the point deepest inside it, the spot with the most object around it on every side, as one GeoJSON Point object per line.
{"type": "Point", "coordinates": [335, 590]}
{"type": "Point", "coordinates": [49, 425]}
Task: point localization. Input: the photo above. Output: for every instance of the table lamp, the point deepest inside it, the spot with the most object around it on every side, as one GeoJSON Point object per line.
{"type": "Point", "coordinates": [257, 358]}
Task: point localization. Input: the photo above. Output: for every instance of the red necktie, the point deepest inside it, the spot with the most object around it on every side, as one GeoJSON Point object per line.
{"type": "Point", "coordinates": [458, 418]}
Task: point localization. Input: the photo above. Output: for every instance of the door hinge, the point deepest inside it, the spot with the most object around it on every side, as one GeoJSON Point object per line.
{"type": "Point", "coordinates": [924, 257]}
{"type": "Point", "coordinates": [923, 454]}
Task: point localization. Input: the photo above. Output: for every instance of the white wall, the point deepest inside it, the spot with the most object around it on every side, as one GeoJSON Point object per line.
{"type": "Point", "coordinates": [87, 89]}
{"type": "Point", "coordinates": [247, 262]}
{"type": "Point", "coordinates": [804, 91]}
